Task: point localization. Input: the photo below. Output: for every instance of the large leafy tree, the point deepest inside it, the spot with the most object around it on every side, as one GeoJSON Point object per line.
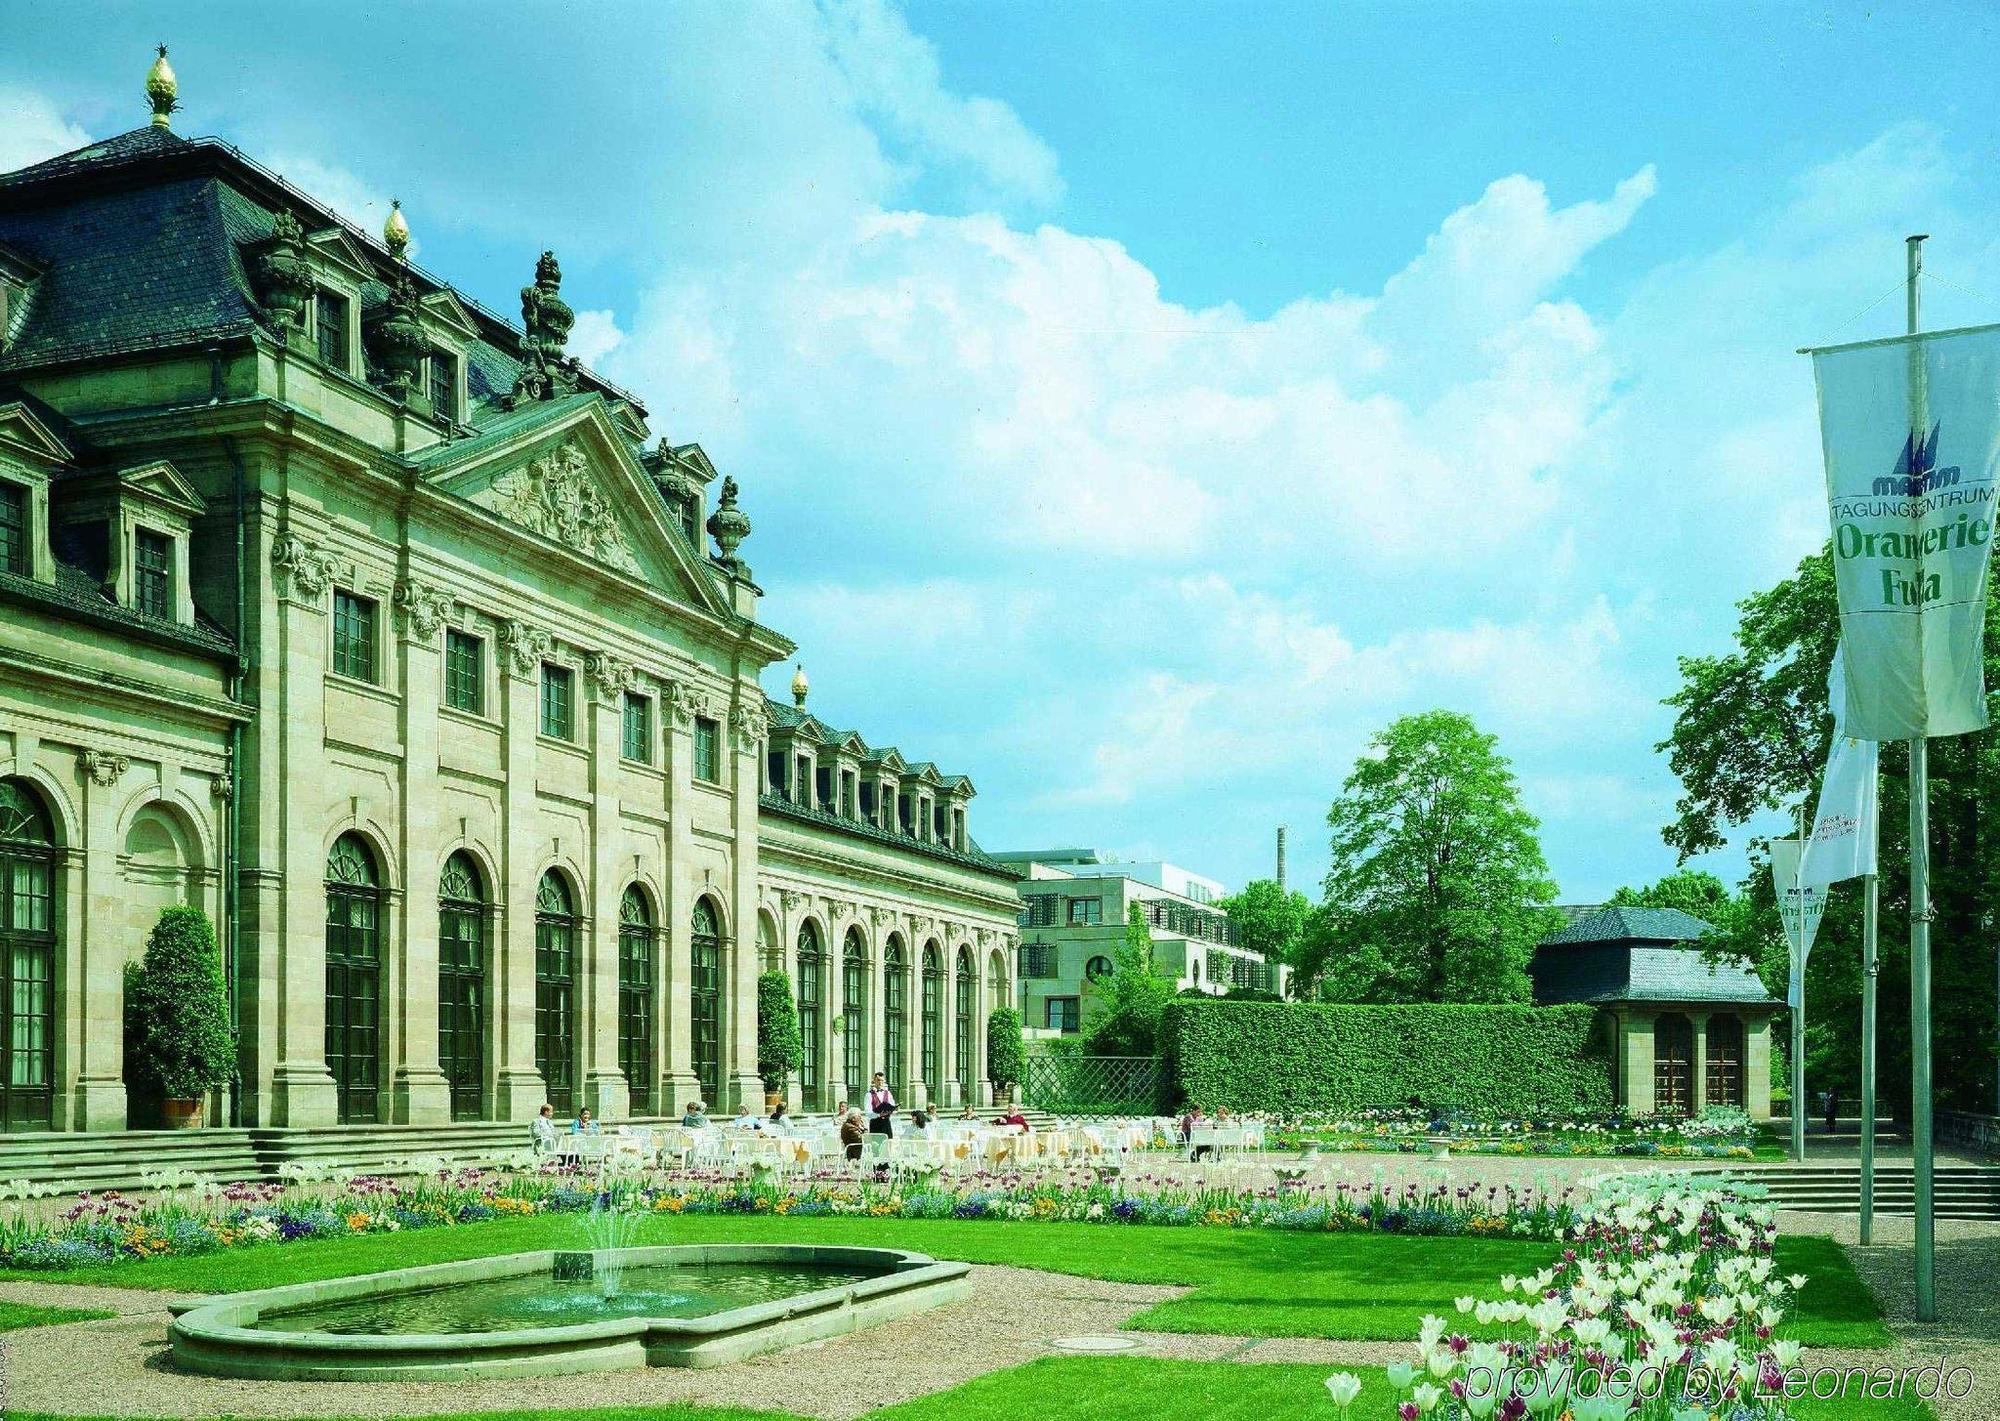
{"type": "Point", "coordinates": [1269, 920]}
{"type": "Point", "coordinates": [1136, 993]}
{"type": "Point", "coordinates": [1750, 737]}
{"type": "Point", "coordinates": [1699, 894]}
{"type": "Point", "coordinates": [1438, 890]}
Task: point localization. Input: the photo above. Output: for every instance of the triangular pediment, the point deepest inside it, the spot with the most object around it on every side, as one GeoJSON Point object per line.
{"type": "Point", "coordinates": [578, 486]}
{"type": "Point", "coordinates": [449, 309]}
{"type": "Point", "coordinates": [162, 481]}
{"type": "Point", "coordinates": [693, 461]}
{"type": "Point", "coordinates": [337, 246]}
{"type": "Point", "coordinates": [21, 433]}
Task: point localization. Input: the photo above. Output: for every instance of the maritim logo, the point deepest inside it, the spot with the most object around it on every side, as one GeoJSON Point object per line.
{"type": "Point", "coordinates": [1916, 471]}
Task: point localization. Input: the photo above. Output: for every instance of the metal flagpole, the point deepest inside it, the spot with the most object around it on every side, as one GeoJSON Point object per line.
{"type": "Point", "coordinates": [1869, 969]}
{"type": "Point", "coordinates": [1797, 943]}
{"type": "Point", "coordinates": [1920, 886]}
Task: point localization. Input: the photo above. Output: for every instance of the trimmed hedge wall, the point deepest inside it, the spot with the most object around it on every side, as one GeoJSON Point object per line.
{"type": "Point", "coordinates": [1294, 1057]}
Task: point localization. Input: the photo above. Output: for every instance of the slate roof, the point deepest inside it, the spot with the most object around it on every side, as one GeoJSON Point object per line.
{"type": "Point", "coordinates": [1638, 955]}
{"type": "Point", "coordinates": [791, 717]}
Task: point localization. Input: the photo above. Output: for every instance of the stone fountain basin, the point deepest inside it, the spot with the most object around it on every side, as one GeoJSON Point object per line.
{"type": "Point", "coordinates": [220, 1336]}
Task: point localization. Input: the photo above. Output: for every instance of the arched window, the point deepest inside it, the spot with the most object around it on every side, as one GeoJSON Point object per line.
{"type": "Point", "coordinates": [1098, 969]}
{"type": "Point", "coordinates": [462, 984]}
{"type": "Point", "coordinates": [961, 1025]}
{"type": "Point", "coordinates": [27, 959]}
{"type": "Point", "coordinates": [812, 1015]}
{"type": "Point", "coordinates": [895, 1014]}
{"type": "Point", "coordinates": [705, 1000]}
{"type": "Point", "coordinates": [933, 1021]}
{"type": "Point", "coordinates": [354, 979]}
{"type": "Point", "coordinates": [555, 989]}
{"type": "Point", "coordinates": [996, 982]}
{"type": "Point", "coordinates": [854, 1015]}
{"type": "Point", "coordinates": [636, 937]}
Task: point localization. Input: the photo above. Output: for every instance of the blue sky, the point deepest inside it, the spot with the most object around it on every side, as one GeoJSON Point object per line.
{"type": "Point", "coordinates": [1140, 405]}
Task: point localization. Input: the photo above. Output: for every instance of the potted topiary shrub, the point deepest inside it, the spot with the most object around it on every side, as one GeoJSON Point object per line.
{"type": "Point", "coordinates": [177, 1017]}
{"type": "Point", "coordinates": [1006, 1057]}
{"type": "Point", "coordinates": [779, 1049]}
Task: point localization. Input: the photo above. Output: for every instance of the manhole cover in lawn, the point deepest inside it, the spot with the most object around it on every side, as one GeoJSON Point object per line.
{"type": "Point", "coordinates": [1093, 1344]}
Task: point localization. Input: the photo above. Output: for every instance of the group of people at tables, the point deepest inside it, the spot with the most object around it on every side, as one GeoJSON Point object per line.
{"type": "Point", "coordinates": [852, 1124]}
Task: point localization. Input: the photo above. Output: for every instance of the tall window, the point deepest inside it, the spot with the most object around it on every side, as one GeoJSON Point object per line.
{"type": "Point", "coordinates": [464, 672]}
{"type": "Point", "coordinates": [353, 635]}
{"type": "Point", "coordinates": [443, 385]}
{"type": "Point", "coordinates": [27, 959]}
{"type": "Point", "coordinates": [961, 1024]}
{"type": "Point", "coordinates": [1725, 1060]}
{"type": "Point", "coordinates": [462, 984]}
{"type": "Point", "coordinates": [330, 327]}
{"type": "Point", "coordinates": [635, 997]}
{"type": "Point", "coordinates": [933, 1018]}
{"type": "Point", "coordinates": [558, 699]}
{"type": "Point", "coordinates": [1673, 1064]}
{"type": "Point", "coordinates": [354, 978]}
{"type": "Point", "coordinates": [153, 573]}
{"type": "Point", "coordinates": [638, 728]}
{"type": "Point", "coordinates": [997, 995]}
{"type": "Point", "coordinates": [707, 750]}
{"type": "Point", "coordinates": [854, 1015]}
{"type": "Point", "coordinates": [1060, 1014]}
{"type": "Point", "coordinates": [895, 1014]}
{"type": "Point", "coordinates": [812, 1006]}
{"type": "Point", "coordinates": [13, 528]}
{"type": "Point", "coordinates": [705, 1000]}
{"type": "Point", "coordinates": [555, 989]}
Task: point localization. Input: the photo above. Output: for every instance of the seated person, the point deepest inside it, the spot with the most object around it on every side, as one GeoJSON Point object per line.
{"type": "Point", "coordinates": [584, 1124]}
{"type": "Point", "coordinates": [967, 1113]}
{"type": "Point", "coordinates": [852, 1133]}
{"type": "Point", "coordinates": [695, 1116]}
{"type": "Point", "coordinates": [1015, 1118]}
{"type": "Point", "coordinates": [746, 1119]}
{"type": "Point", "coordinates": [542, 1133]}
{"type": "Point", "coordinates": [781, 1117]}
{"type": "Point", "coordinates": [920, 1126]}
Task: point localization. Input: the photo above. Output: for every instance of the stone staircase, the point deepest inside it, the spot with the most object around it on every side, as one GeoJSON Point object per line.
{"type": "Point", "coordinates": [119, 1159]}
{"type": "Point", "coordinates": [1963, 1191]}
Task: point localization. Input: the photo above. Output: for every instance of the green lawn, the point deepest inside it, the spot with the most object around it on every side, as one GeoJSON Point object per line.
{"type": "Point", "coordinates": [1248, 1282]}
{"type": "Point", "coordinates": [14, 1316]}
{"type": "Point", "coordinates": [1138, 1389]}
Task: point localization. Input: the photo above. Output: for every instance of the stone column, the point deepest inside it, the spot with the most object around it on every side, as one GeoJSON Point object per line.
{"type": "Point", "coordinates": [747, 727]}
{"type": "Point", "coordinates": [1757, 1066]}
{"type": "Point", "coordinates": [1698, 1089]}
{"type": "Point", "coordinates": [604, 1086]}
{"type": "Point", "coordinates": [90, 962]}
{"type": "Point", "coordinates": [418, 1092]}
{"type": "Point", "coordinates": [519, 1090]}
{"type": "Point", "coordinates": [302, 1087]}
{"type": "Point", "coordinates": [680, 702]}
{"type": "Point", "coordinates": [1638, 1062]}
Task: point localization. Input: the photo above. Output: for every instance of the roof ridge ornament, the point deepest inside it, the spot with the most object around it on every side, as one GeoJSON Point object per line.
{"type": "Point", "coordinates": [729, 526]}
{"type": "Point", "coordinates": [546, 372]}
{"type": "Point", "coordinates": [162, 90]}
{"type": "Point", "coordinates": [399, 342]}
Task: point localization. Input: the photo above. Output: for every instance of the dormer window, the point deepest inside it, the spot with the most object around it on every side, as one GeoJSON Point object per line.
{"type": "Point", "coordinates": [330, 311]}
{"type": "Point", "coordinates": [13, 528]}
{"type": "Point", "coordinates": [153, 573]}
{"type": "Point", "coordinates": [443, 385]}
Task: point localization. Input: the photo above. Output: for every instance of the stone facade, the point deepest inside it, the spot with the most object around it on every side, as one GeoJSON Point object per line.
{"type": "Point", "coordinates": [374, 626]}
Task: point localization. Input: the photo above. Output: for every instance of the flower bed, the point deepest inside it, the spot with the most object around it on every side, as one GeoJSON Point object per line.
{"type": "Point", "coordinates": [191, 1216]}
{"type": "Point", "coordinates": [1664, 1305]}
{"type": "Point", "coordinates": [1717, 1133]}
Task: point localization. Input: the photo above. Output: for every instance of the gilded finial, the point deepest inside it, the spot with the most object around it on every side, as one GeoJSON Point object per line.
{"type": "Point", "coordinates": [800, 685]}
{"type": "Point", "coordinates": [396, 230]}
{"type": "Point", "coordinates": [162, 90]}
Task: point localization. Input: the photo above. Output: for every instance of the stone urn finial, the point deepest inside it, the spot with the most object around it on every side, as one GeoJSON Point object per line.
{"type": "Point", "coordinates": [800, 685]}
{"type": "Point", "coordinates": [729, 527]}
{"type": "Point", "coordinates": [396, 231]}
{"type": "Point", "coordinates": [162, 90]}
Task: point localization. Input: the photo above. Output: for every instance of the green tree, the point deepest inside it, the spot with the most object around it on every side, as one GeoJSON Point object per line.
{"type": "Point", "coordinates": [779, 1048]}
{"type": "Point", "coordinates": [1128, 1018]}
{"type": "Point", "coordinates": [1438, 890]}
{"type": "Point", "coordinates": [1749, 742]}
{"type": "Point", "coordinates": [1694, 892]}
{"type": "Point", "coordinates": [177, 1016]}
{"type": "Point", "coordinates": [1268, 920]}
{"type": "Point", "coordinates": [1006, 1057]}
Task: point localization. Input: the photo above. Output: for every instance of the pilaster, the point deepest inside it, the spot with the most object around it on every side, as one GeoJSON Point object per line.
{"type": "Point", "coordinates": [747, 727]}
{"type": "Point", "coordinates": [604, 1085]}
{"type": "Point", "coordinates": [519, 1089]}
{"type": "Point", "coordinates": [1698, 1099]}
{"type": "Point", "coordinates": [93, 1029]}
{"type": "Point", "coordinates": [418, 1091]}
{"type": "Point", "coordinates": [677, 1083]}
{"type": "Point", "coordinates": [1637, 1036]}
{"type": "Point", "coordinates": [1757, 1066]}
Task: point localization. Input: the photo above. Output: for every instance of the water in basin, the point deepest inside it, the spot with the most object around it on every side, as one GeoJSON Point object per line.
{"type": "Point", "coordinates": [507, 1304]}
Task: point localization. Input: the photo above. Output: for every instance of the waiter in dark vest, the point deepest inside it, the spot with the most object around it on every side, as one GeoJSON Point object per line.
{"type": "Point", "coordinates": [881, 1107]}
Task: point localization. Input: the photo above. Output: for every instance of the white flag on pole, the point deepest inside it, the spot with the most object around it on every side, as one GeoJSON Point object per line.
{"type": "Point", "coordinates": [1842, 840]}
{"type": "Point", "coordinates": [1800, 906]}
{"type": "Point", "coordinates": [1910, 430]}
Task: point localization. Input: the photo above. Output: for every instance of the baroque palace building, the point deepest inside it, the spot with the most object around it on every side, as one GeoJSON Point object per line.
{"type": "Point", "coordinates": [381, 630]}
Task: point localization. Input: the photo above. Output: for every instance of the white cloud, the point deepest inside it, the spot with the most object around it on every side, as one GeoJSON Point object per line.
{"type": "Point", "coordinates": [594, 336]}
{"type": "Point", "coordinates": [33, 129]}
{"type": "Point", "coordinates": [354, 198]}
